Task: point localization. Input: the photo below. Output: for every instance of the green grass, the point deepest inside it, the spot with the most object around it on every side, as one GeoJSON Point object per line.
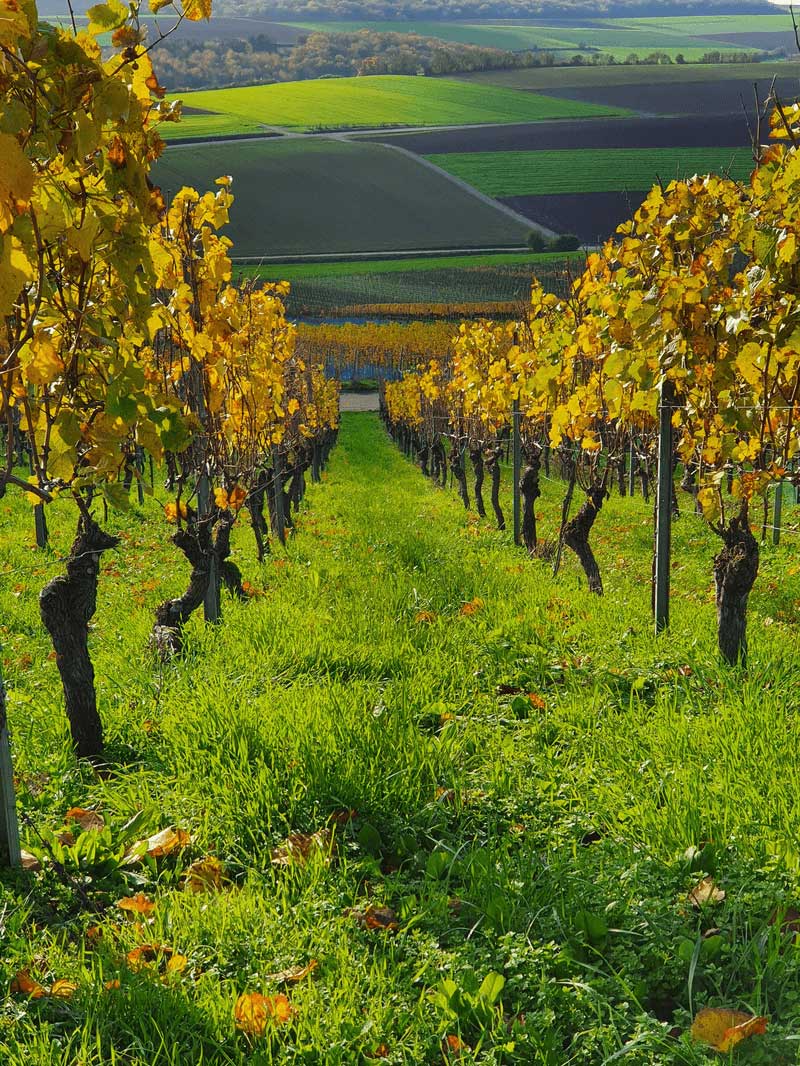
{"type": "Point", "coordinates": [309, 195]}
{"type": "Point", "coordinates": [211, 125]}
{"type": "Point", "coordinates": [706, 25]}
{"type": "Point", "coordinates": [578, 170]}
{"type": "Point", "coordinates": [391, 100]}
{"type": "Point", "coordinates": [552, 844]}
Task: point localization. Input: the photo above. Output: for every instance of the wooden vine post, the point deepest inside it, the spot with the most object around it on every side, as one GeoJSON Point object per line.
{"type": "Point", "coordinates": [517, 468]}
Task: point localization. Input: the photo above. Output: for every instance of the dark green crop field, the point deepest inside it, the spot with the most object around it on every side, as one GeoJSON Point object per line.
{"type": "Point", "coordinates": [311, 196]}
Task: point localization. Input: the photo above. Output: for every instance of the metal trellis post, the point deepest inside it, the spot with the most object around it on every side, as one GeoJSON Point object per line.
{"type": "Point", "coordinates": [663, 506]}
{"type": "Point", "coordinates": [776, 513]}
{"type": "Point", "coordinates": [9, 827]}
{"type": "Point", "coordinates": [517, 469]}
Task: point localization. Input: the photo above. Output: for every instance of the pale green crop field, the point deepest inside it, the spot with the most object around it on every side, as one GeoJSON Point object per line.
{"type": "Point", "coordinates": [341, 103]}
{"type": "Point", "coordinates": [577, 170]}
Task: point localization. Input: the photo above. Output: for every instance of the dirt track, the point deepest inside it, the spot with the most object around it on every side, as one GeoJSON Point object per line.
{"type": "Point", "coordinates": [359, 401]}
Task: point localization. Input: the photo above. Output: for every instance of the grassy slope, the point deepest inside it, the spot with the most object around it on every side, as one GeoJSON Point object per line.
{"type": "Point", "coordinates": [354, 267]}
{"type": "Point", "coordinates": [313, 195]}
{"type": "Point", "coordinates": [559, 858]}
{"type": "Point", "coordinates": [393, 100]}
{"type": "Point", "coordinates": [575, 170]}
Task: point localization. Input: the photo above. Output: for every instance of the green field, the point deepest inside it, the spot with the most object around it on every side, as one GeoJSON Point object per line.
{"type": "Point", "coordinates": [533, 790]}
{"type": "Point", "coordinates": [616, 37]}
{"type": "Point", "coordinates": [577, 170]}
{"type": "Point", "coordinates": [355, 267]}
{"type": "Point", "coordinates": [311, 195]}
{"type": "Point", "coordinates": [342, 103]}
{"type": "Point", "coordinates": [705, 25]}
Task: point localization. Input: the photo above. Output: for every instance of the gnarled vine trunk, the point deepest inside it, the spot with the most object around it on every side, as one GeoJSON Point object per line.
{"type": "Point", "coordinates": [255, 505]}
{"type": "Point", "coordinates": [476, 458]}
{"type": "Point", "coordinates": [493, 465]}
{"type": "Point", "coordinates": [172, 615]}
{"type": "Point", "coordinates": [67, 605]}
{"type": "Point", "coordinates": [459, 473]}
{"type": "Point", "coordinates": [530, 492]}
{"type": "Point", "coordinates": [576, 535]}
{"type": "Point", "coordinates": [735, 571]}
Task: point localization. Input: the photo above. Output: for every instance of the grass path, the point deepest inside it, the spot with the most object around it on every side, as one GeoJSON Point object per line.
{"type": "Point", "coordinates": [537, 783]}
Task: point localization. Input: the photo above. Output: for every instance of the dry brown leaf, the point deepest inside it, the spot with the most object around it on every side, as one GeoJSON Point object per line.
{"type": "Point", "coordinates": [299, 847]}
{"type": "Point", "coordinates": [253, 1012]}
{"type": "Point", "coordinates": [706, 892]}
{"type": "Point", "coordinates": [294, 974]}
{"type": "Point", "coordinates": [472, 607]}
{"type": "Point", "coordinates": [85, 819]}
{"type": "Point", "coordinates": [138, 904]}
{"type": "Point", "coordinates": [380, 1052]}
{"type": "Point", "coordinates": [23, 984]}
{"type": "Point", "coordinates": [30, 862]}
{"type": "Point", "coordinates": [723, 1029]}
{"type": "Point", "coordinates": [205, 875]}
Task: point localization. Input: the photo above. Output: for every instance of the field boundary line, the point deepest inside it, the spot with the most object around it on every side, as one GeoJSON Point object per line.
{"type": "Point", "coordinates": [508, 211]}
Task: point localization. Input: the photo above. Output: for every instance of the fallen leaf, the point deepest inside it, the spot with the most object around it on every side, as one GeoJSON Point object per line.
{"type": "Point", "coordinates": [454, 1045]}
{"type": "Point", "coordinates": [472, 607]}
{"type": "Point", "coordinates": [253, 1012]}
{"type": "Point", "coordinates": [66, 839]}
{"type": "Point", "coordinates": [86, 819]}
{"type": "Point", "coordinates": [299, 847]}
{"type": "Point", "coordinates": [537, 701]}
{"type": "Point", "coordinates": [723, 1029]}
{"type": "Point", "coordinates": [380, 1052]}
{"type": "Point", "coordinates": [177, 963]}
{"type": "Point", "coordinates": [375, 917]}
{"type": "Point", "coordinates": [114, 983]}
{"type": "Point", "coordinates": [425, 617]}
{"type": "Point", "coordinates": [343, 815]}
{"type": "Point", "coordinates": [62, 989]}
{"type": "Point", "coordinates": [165, 842]}
{"type": "Point", "coordinates": [23, 984]}
{"type": "Point", "coordinates": [706, 892]}
{"type": "Point", "coordinates": [138, 904]}
{"type": "Point", "coordinates": [295, 973]}
{"type": "Point", "coordinates": [30, 862]}
{"type": "Point", "coordinates": [205, 875]}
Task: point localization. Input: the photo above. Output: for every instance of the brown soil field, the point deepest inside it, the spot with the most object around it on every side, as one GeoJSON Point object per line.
{"type": "Point", "coordinates": [686, 131]}
{"type": "Point", "coordinates": [592, 216]}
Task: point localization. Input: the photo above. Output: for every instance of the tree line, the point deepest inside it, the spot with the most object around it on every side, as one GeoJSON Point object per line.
{"type": "Point", "coordinates": [183, 65]}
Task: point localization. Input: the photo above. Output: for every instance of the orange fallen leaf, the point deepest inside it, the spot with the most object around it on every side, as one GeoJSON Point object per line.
{"type": "Point", "coordinates": [723, 1029]}
{"type": "Point", "coordinates": [253, 1012]}
{"type": "Point", "coordinates": [454, 1045]}
{"type": "Point", "coordinates": [380, 1052]}
{"type": "Point", "coordinates": [706, 892]}
{"type": "Point", "coordinates": [138, 904]}
{"type": "Point", "coordinates": [373, 917]}
{"type": "Point", "coordinates": [472, 607]}
{"type": "Point", "coordinates": [299, 847]}
{"type": "Point", "coordinates": [23, 984]}
{"type": "Point", "coordinates": [85, 819]}
{"type": "Point", "coordinates": [425, 617]}
{"type": "Point", "coordinates": [537, 701]}
{"type": "Point", "coordinates": [114, 983]}
{"type": "Point", "coordinates": [205, 875]}
{"type": "Point", "coordinates": [295, 973]}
